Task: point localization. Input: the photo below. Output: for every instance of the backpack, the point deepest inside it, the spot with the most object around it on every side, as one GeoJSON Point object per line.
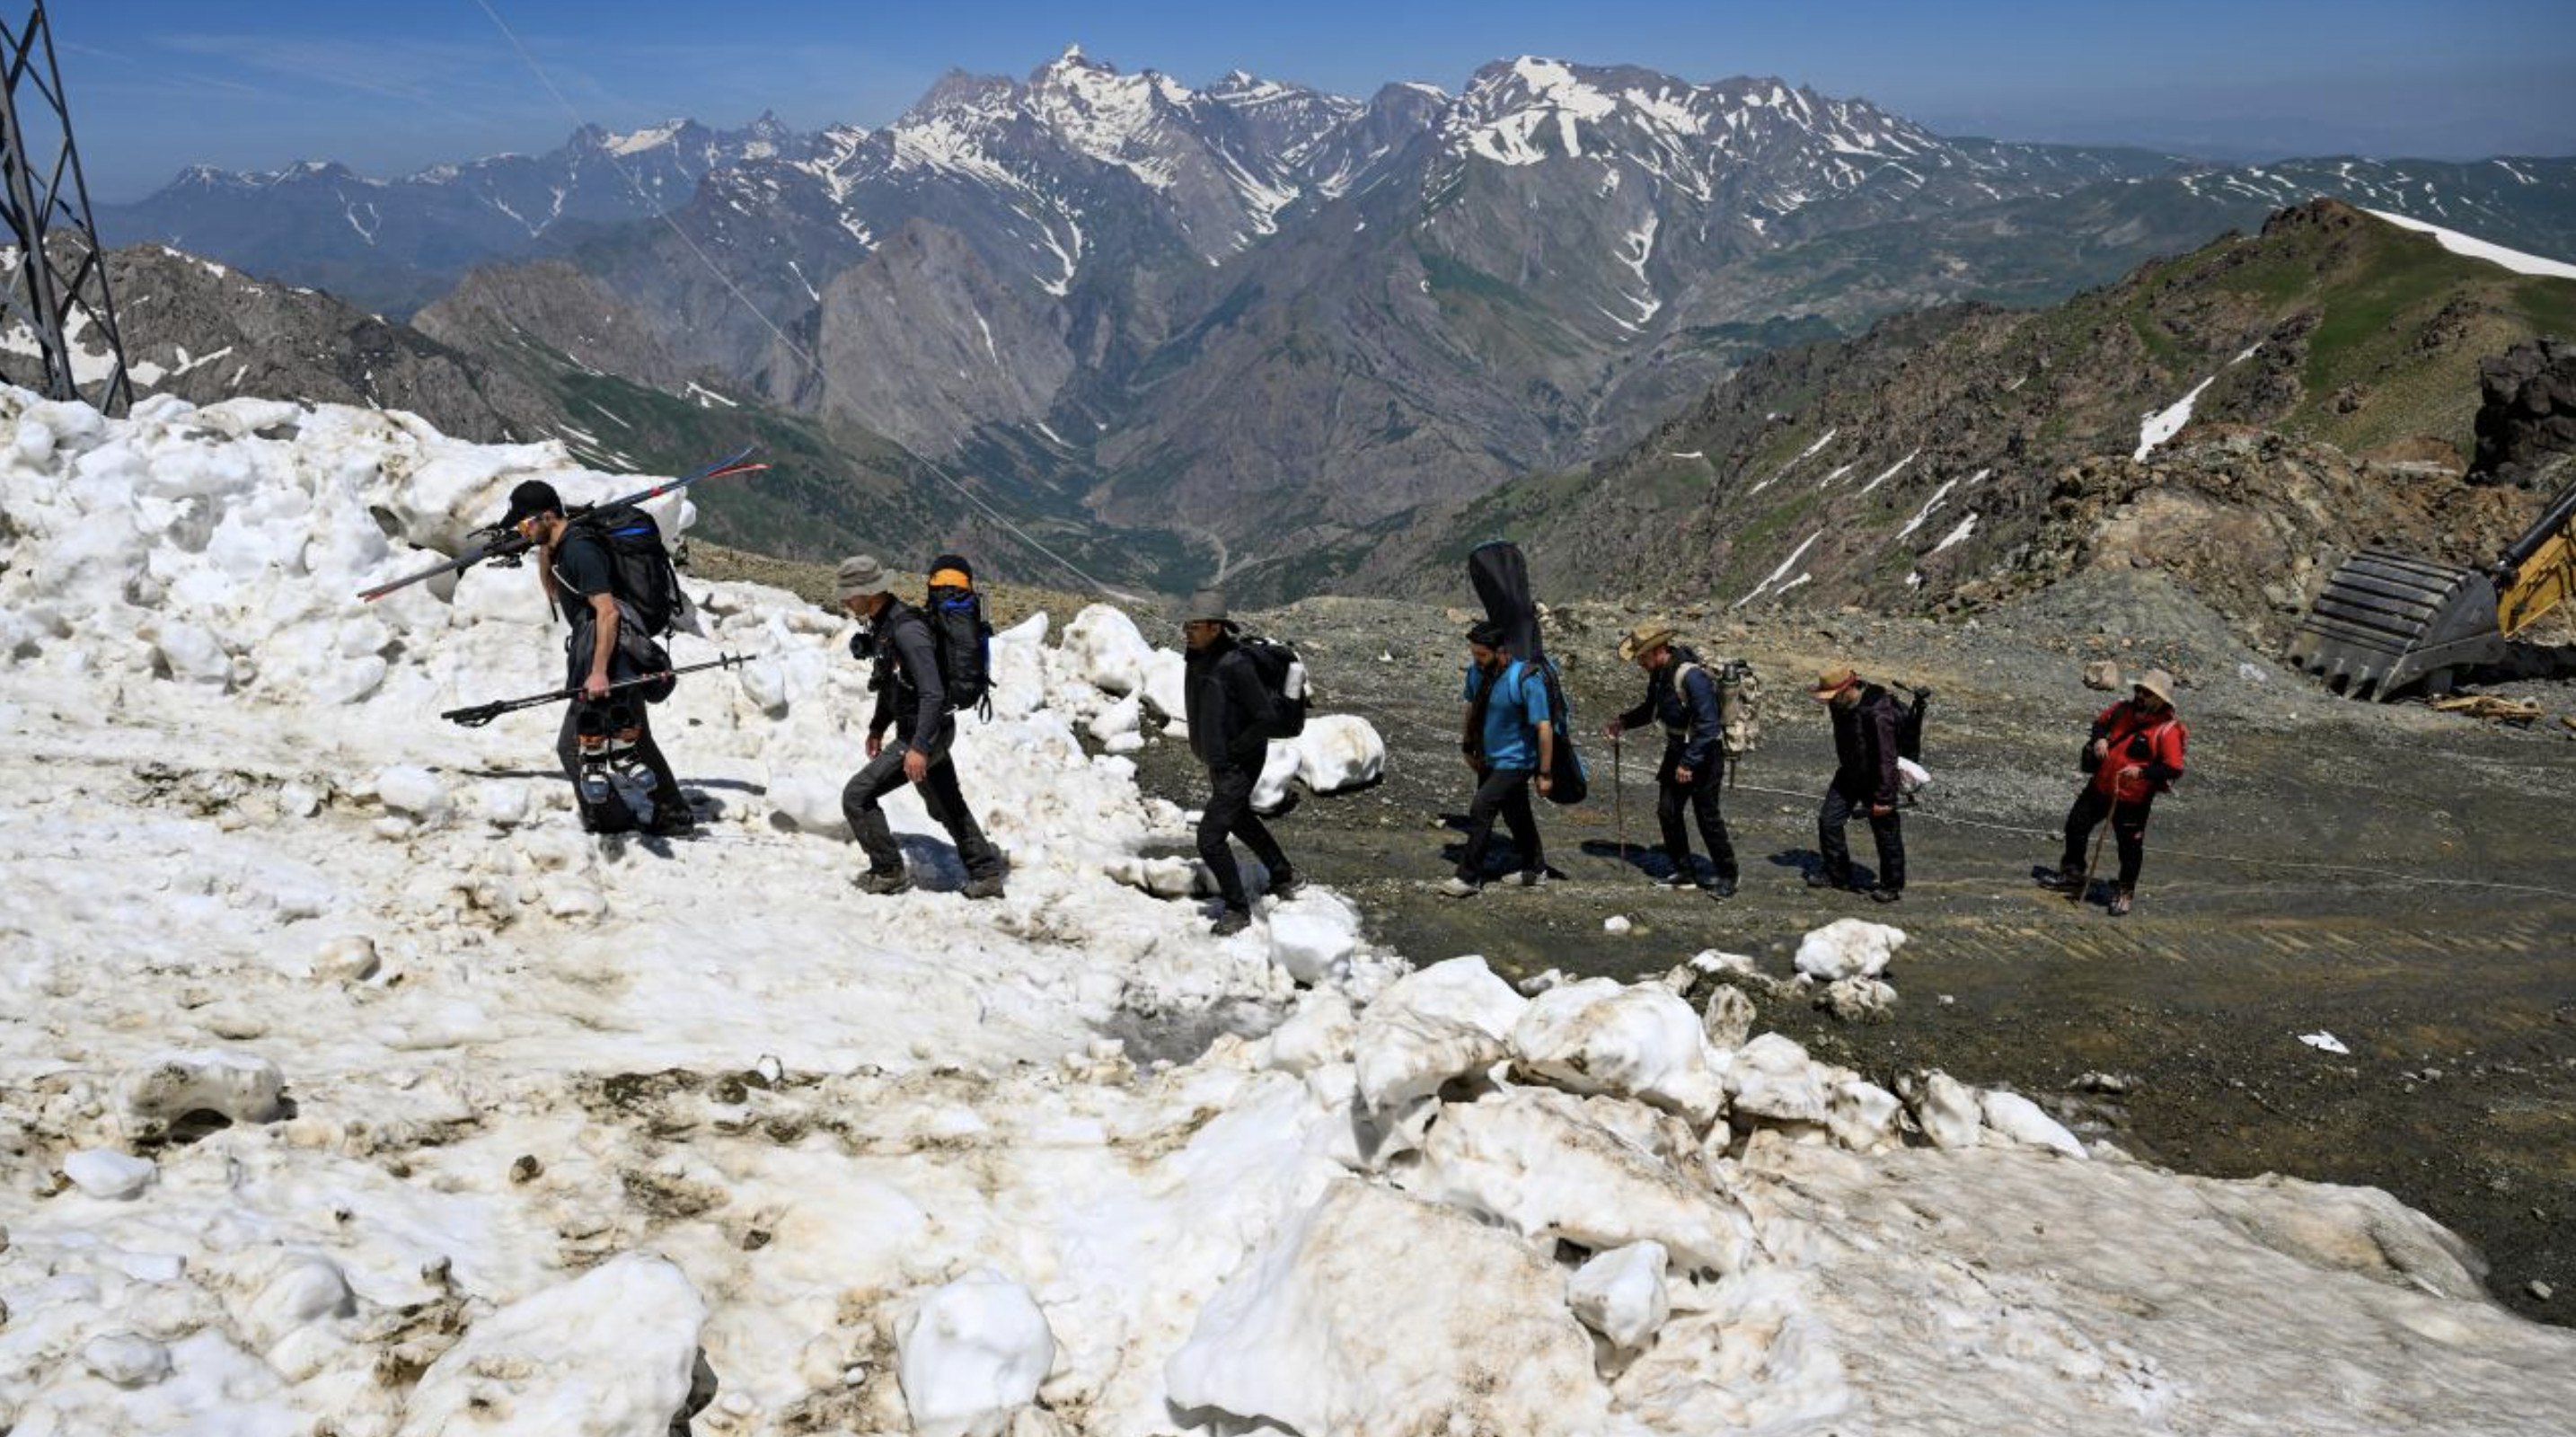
{"type": "Point", "coordinates": [1283, 674]}
{"type": "Point", "coordinates": [640, 571]}
{"type": "Point", "coordinates": [1569, 783]}
{"type": "Point", "coordinates": [1739, 704]}
{"type": "Point", "coordinates": [961, 639]}
{"type": "Point", "coordinates": [1909, 724]}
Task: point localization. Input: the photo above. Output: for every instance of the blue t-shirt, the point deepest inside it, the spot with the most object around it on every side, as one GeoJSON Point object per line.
{"type": "Point", "coordinates": [1512, 719]}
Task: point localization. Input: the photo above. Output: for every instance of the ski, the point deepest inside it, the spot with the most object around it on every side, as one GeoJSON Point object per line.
{"type": "Point", "coordinates": [500, 545]}
{"type": "Point", "coordinates": [477, 715]}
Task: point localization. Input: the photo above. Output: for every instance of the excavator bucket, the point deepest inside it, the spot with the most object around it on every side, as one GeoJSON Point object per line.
{"type": "Point", "coordinates": [2387, 620]}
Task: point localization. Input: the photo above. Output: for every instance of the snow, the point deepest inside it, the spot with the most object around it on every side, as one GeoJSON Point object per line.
{"type": "Point", "coordinates": [2457, 243]}
{"type": "Point", "coordinates": [636, 142]}
{"type": "Point", "coordinates": [971, 1354]}
{"type": "Point", "coordinates": [2165, 423]}
{"type": "Point", "coordinates": [1848, 947]}
{"type": "Point", "coordinates": [1958, 533]}
{"type": "Point", "coordinates": [461, 1121]}
{"type": "Point", "coordinates": [1786, 565]}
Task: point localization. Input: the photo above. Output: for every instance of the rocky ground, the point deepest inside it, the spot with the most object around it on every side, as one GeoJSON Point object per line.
{"type": "Point", "coordinates": [2391, 876]}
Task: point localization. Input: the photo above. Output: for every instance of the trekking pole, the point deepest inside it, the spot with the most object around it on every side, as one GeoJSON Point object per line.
{"type": "Point", "coordinates": [1618, 799]}
{"type": "Point", "coordinates": [2096, 865]}
{"type": "Point", "coordinates": [480, 714]}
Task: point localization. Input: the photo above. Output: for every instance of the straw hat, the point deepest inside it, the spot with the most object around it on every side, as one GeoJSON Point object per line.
{"type": "Point", "coordinates": [1833, 680]}
{"type": "Point", "coordinates": [1648, 634]}
{"type": "Point", "coordinates": [2157, 682]}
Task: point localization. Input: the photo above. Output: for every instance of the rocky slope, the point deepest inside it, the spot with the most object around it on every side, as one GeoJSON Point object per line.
{"type": "Point", "coordinates": [2328, 368]}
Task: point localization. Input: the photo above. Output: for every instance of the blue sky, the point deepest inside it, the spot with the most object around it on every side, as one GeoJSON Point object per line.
{"type": "Point", "coordinates": [390, 87]}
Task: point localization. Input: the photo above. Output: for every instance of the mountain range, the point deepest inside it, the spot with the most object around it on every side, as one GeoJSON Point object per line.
{"type": "Point", "coordinates": [1267, 323]}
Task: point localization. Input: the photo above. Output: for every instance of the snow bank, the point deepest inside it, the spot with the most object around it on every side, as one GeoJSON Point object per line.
{"type": "Point", "coordinates": [582, 1136]}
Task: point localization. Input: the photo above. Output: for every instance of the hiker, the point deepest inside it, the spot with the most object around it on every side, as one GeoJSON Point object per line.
{"type": "Point", "coordinates": [2135, 753]}
{"type": "Point", "coordinates": [579, 577]}
{"type": "Point", "coordinates": [1865, 779]}
{"type": "Point", "coordinates": [1229, 712]}
{"type": "Point", "coordinates": [912, 697]}
{"type": "Point", "coordinates": [1682, 695]}
{"type": "Point", "coordinates": [1510, 746]}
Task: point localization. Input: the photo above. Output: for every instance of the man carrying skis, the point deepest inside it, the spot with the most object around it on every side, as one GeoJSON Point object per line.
{"type": "Point", "coordinates": [913, 698]}
{"type": "Point", "coordinates": [1682, 695]}
{"type": "Point", "coordinates": [579, 577]}
{"type": "Point", "coordinates": [1510, 744]}
{"type": "Point", "coordinates": [1228, 710]}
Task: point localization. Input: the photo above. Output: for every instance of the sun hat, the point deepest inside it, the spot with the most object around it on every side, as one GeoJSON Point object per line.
{"type": "Point", "coordinates": [860, 575]}
{"type": "Point", "coordinates": [1647, 635]}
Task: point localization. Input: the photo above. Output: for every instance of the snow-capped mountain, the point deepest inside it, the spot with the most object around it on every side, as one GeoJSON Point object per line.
{"type": "Point", "coordinates": [393, 244]}
{"type": "Point", "coordinates": [1250, 302]}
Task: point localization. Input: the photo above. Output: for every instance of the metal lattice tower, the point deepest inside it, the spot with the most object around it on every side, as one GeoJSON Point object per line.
{"type": "Point", "coordinates": [57, 285]}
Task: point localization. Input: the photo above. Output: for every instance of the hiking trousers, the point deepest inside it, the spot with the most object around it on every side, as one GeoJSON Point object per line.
{"type": "Point", "coordinates": [1839, 806]}
{"type": "Point", "coordinates": [1700, 796]}
{"type": "Point", "coordinates": [1229, 815]}
{"type": "Point", "coordinates": [613, 816]}
{"type": "Point", "coordinates": [1504, 794]}
{"type": "Point", "coordinates": [2128, 830]}
{"type": "Point", "coordinates": [939, 794]}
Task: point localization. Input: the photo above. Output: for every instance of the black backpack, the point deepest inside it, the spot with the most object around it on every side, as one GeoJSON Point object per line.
{"type": "Point", "coordinates": [1568, 783]}
{"type": "Point", "coordinates": [960, 637]}
{"type": "Point", "coordinates": [640, 571]}
{"type": "Point", "coordinates": [1283, 674]}
{"type": "Point", "coordinates": [1909, 724]}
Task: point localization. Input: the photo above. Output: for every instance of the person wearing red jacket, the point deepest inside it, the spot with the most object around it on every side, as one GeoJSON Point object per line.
{"type": "Point", "coordinates": [2136, 753]}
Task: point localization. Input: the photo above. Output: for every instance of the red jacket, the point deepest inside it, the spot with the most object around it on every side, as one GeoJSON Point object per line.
{"type": "Point", "coordinates": [2132, 739]}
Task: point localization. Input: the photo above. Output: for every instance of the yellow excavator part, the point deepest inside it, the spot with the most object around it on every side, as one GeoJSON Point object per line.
{"type": "Point", "coordinates": [2545, 580]}
{"type": "Point", "coordinates": [2388, 620]}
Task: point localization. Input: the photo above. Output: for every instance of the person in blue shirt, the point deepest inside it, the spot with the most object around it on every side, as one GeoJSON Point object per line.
{"type": "Point", "coordinates": [1510, 746]}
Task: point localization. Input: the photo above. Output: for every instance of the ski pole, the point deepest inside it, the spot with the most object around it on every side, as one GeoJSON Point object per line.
{"type": "Point", "coordinates": [480, 714]}
{"type": "Point", "coordinates": [506, 546]}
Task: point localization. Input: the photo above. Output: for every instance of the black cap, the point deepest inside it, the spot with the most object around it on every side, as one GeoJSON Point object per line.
{"type": "Point", "coordinates": [1485, 633]}
{"type": "Point", "coordinates": [531, 498]}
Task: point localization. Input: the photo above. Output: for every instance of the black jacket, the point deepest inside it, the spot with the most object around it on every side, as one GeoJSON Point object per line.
{"type": "Point", "coordinates": [1229, 709]}
{"type": "Point", "coordinates": [910, 694]}
{"type": "Point", "coordinates": [1688, 712]}
{"type": "Point", "coordinates": [1865, 746]}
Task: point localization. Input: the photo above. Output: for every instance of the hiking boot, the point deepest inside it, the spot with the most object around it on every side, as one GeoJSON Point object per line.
{"type": "Point", "coordinates": [1536, 878]}
{"type": "Point", "coordinates": [1285, 884]}
{"type": "Point", "coordinates": [2120, 901]}
{"type": "Point", "coordinates": [1818, 878]}
{"type": "Point", "coordinates": [1460, 888]}
{"type": "Point", "coordinates": [2064, 880]}
{"type": "Point", "coordinates": [1230, 922]}
{"type": "Point", "coordinates": [884, 882]}
{"type": "Point", "coordinates": [988, 886]}
{"type": "Point", "coordinates": [1886, 895]}
{"type": "Point", "coordinates": [1719, 888]}
{"type": "Point", "coordinates": [1677, 879]}
{"type": "Point", "coordinates": [672, 821]}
